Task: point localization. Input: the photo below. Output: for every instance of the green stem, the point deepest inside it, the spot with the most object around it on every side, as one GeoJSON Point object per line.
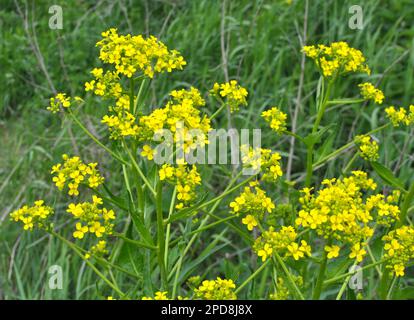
{"type": "Point", "coordinates": [161, 237]}
{"type": "Point", "coordinates": [218, 111]}
{"type": "Point", "coordinates": [135, 242]}
{"type": "Point", "coordinates": [405, 206]}
{"type": "Point", "coordinates": [319, 282]}
{"type": "Point", "coordinates": [77, 121]}
{"type": "Point", "coordinates": [348, 166]}
{"type": "Point", "coordinates": [252, 276]}
{"type": "Point", "coordinates": [177, 266]}
{"type": "Point", "coordinates": [138, 169]}
{"type": "Point", "coordinates": [221, 196]}
{"type": "Point", "coordinates": [292, 282]}
{"type": "Point", "coordinates": [346, 146]}
{"type": "Point", "coordinates": [290, 133]}
{"type": "Point", "coordinates": [345, 101]}
{"type": "Point", "coordinates": [167, 237]}
{"type": "Point", "coordinates": [391, 289]}
{"type": "Point", "coordinates": [141, 87]}
{"type": "Point", "coordinates": [335, 279]}
{"type": "Point", "coordinates": [311, 146]}
{"type": "Point", "coordinates": [344, 284]}
{"type": "Point", "coordinates": [73, 247]}
{"type": "Point", "coordinates": [309, 161]}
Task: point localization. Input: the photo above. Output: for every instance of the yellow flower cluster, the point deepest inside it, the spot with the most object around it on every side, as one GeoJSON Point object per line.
{"type": "Point", "coordinates": [234, 94]}
{"type": "Point", "coordinates": [282, 242]}
{"type": "Point", "coordinates": [97, 249]}
{"type": "Point", "coordinates": [337, 59]}
{"type": "Point", "coordinates": [400, 116]}
{"type": "Point", "coordinates": [219, 289]}
{"type": "Point", "coordinates": [106, 84]}
{"type": "Point", "coordinates": [369, 92]}
{"type": "Point", "coordinates": [341, 212]}
{"type": "Point", "coordinates": [122, 124]}
{"type": "Point", "coordinates": [74, 172]}
{"type": "Point", "coordinates": [159, 295]}
{"type": "Point", "coordinates": [282, 290]}
{"type": "Point", "coordinates": [253, 203]}
{"type": "Point", "coordinates": [179, 116]}
{"type": "Point", "coordinates": [399, 249]}
{"type": "Point", "coordinates": [60, 100]}
{"type": "Point", "coordinates": [276, 119]}
{"type": "Point", "coordinates": [186, 178]}
{"type": "Point", "coordinates": [262, 160]}
{"type": "Point", "coordinates": [92, 219]}
{"type": "Point", "coordinates": [130, 54]}
{"type": "Point", "coordinates": [368, 148]}
{"type": "Point", "coordinates": [35, 216]}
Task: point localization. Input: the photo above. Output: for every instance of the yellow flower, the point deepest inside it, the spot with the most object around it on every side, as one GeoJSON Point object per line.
{"type": "Point", "coordinates": [159, 295]}
{"type": "Point", "coordinates": [368, 147]}
{"type": "Point", "coordinates": [80, 231]}
{"type": "Point", "coordinates": [276, 119]}
{"type": "Point", "coordinates": [219, 289]}
{"type": "Point", "coordinates": [75, 209]}
{"type": "Point", "coordinates": [333, 251]}
{"type": "Point", "coordinates": [35, 216]}
{"type": "Point", "coordinates": [234, 94]}
{"type": "Point", "coordinates": [399, 270]}
{"type": "Point", "coordinates": [250, 221]}
{"type": "Point", "coordinates": [368, 91]}
{"type": "Point", "coordinates": [130, 53]}
{"type": "Point", "coordinates": [294, 251]}
{"type": "Point", "coordinates": [74, 171]}
{"type": "Point", "coordinates": [147, 152]}
{"type": "Point", "coordinates": [337, 59]}
{"type": "Point", "coordinates": [166, 172]}
{"type": "Point", "coordinates": [399, 249]}
{"type": "Point", "coordinates": [60, 100]}
{"type": "Point", "coordinates": [400, 116]}
{"type": "Point", "coordinates": [357, 252]}
{"type": "Point", "coordinates": [265, 252]}
{"type": "Point", "coordinates": [97, 229]}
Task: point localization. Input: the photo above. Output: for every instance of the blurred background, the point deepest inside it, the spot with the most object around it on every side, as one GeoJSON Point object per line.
{"type": "Point", "coordinates": [256, 42]}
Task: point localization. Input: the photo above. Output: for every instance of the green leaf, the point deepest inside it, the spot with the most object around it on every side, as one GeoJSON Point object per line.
{"type": "Point", "coordinates": [314, 138]}
{"type": "Point", "coordinates": [141, 228]}
{"type": "Point", "coordinates": [184, 213]}
{"type": "Point", "coordinates": [387, 176]}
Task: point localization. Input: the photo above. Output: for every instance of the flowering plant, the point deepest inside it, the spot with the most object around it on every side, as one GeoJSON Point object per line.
{"type": "Point", "coordinates": [308, 228]}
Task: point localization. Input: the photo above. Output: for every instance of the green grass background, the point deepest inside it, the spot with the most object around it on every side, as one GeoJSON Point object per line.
{"type": "Point", "coordinates": [263, 43]}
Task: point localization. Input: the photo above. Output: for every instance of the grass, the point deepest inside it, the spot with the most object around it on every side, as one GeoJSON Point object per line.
{"type": "Point", "coordinates": [258, 43]}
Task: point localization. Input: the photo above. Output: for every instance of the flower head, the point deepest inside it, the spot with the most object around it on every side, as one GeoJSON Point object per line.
{"type": "Point", "coordinates": [233, 94]}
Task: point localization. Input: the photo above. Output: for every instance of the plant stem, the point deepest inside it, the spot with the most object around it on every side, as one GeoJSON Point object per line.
{"type": "Point", "coordinates": [343, 287]}
{"type": "Point", "coordinates": [348, 166]}
{"type": "Point", "coordinates": [77, 121]}
{"type": "Point", "coordinates": [138, 169]}
{"type": "Point", "coordinates": [345, 101]}
{"type": "Point", "coordinates": [346, 146]}
{"type": "Point", "coordinates": [334, 279]}
{"type": "Point", "coordinates": [137, 101]}
{"type": "Point", "coordinates": [290, 133]}
{"type": "Point", "coordinates": [405, 205]}
{"type": "Point", "coordinates": [218, 111]}
{"type": "Point", "coordinates": [75, 249]}
{"type": "Point", "coordinates": [319, 282]}
{"type": "Point", "coordinates": [311, 146]}
{"type": "Point", "coordinates": [289, 276]}
{"type": "Point", "coordinates": [167, 237]}
{"type": "Point", "coordinates": [161, 237]}
{"type": "Point", "coordinates": [135, 242]}
{"type": "Point", "coordinates": [252, 276]}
